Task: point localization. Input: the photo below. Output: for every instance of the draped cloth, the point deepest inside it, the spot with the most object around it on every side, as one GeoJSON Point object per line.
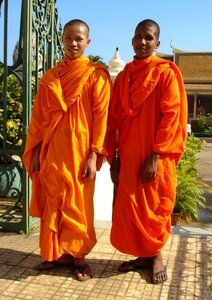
{"type": "Point", "coordinates": [69, 118]}
{"type": "Point", "coordinates": [149, 109]}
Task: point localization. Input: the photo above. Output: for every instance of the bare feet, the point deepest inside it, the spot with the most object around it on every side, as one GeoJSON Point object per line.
{"type": "Point", "coordinates": [82, 271]}
{"type": "Point", "coordinates": [159, 274]}
{"type": "Point", "coordinates": [132, 265]}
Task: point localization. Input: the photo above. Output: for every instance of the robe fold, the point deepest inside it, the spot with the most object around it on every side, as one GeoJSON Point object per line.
{"type": "Point", "coordinates": [69, 118]}
{"type": "Point", "coordinates": [149, 109]}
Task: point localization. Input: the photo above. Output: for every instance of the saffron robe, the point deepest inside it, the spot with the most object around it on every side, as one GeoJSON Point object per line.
{"type": "Point", "coordinates": [69, 118]}
{"type": "Point", "coordinates": [149, 109]}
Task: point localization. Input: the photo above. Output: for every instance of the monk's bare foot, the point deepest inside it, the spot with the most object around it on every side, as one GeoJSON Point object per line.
{"type": "Point", "coordinates": [132, 265]}
{"type": "Point", "coordinates": [159, 274]}
{"type": "Point", "coordinates": [82, 271]}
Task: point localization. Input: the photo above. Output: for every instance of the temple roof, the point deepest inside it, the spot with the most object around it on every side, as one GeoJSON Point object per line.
{"type": "Point", "coordinates": [116, 64]}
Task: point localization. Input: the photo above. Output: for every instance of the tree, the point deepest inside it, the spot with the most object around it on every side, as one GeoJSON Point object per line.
{"type": "Point", "coordinates": [97, 59]}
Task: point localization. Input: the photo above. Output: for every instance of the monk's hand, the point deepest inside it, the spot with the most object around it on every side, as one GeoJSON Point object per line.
{"type": "Point", "coordinates": [35, 164]}
{"type": "Point", "coordinates": [90, 166]}
{"type": "Point", "coordinates": [149, 169]}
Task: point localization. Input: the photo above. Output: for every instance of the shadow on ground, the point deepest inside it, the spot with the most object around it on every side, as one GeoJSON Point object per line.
{"type": "Point", "coordinates": [17, 265]}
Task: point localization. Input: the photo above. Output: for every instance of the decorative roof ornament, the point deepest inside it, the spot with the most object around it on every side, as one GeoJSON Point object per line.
{"type": "Point", "coordinates": [115, 65]}
{"type": "Point", "coordinates": [175, 50]}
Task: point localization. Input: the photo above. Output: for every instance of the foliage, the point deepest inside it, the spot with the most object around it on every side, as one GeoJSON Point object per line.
{"type": "Point", "coordinates": [190, 156]}
{"type": "Point", "coordinates": [14, 123]}
{"type": "Point", "coordinates": [203, 134]}
{"type": "Point", "coordinates": [201, 123]}
{"type": "Point", "coordinates": [97, 59]}
{"type": "Point", "coordinates": [14, 114]}
{"type": "Point", "coordinates": [189, 195]}
{"type": "Point", "coordinates": [209, 116]}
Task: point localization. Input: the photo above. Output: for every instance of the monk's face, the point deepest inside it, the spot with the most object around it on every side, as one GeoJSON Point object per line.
{"type": "Point", "coordinates": [75, 40]}
{"type": "Point", "coordinates": [145, 41]}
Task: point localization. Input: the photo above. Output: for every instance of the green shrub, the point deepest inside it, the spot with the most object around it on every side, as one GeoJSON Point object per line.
{"type": "Point", "coordinates": [14, 117]}
{"type": "Point", "coordinates": [189, 196]}
{"type": "Point", "coordinates": [203, 134]}
{"type": "Point", "coordinates": [199, 124]}
{"type": "Point", "coordinates": [14, 122]}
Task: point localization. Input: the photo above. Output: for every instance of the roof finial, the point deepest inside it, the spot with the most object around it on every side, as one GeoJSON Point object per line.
{"type": "Point", "coordinates": [115, 65]}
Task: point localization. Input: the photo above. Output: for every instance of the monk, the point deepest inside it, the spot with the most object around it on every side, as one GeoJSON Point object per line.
{"type": "Point", "coordinates": [149, 111]}
{"type": "Point", "coordinates": [64, 148]}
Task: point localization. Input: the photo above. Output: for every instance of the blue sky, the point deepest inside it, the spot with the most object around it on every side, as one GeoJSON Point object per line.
{"type": "Point", "coordinates": [187, 24]}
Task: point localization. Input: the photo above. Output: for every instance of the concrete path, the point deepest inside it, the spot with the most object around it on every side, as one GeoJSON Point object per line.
{"type": "Point", "coordinates": [188, 261]}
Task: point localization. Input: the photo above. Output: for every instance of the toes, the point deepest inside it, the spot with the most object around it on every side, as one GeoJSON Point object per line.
{"type": "Point", "coordinates": [159, 277]}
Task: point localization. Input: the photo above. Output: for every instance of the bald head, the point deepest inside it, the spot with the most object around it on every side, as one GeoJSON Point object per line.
{"type": "Point", "coordinates": [149, 22]}
{"type": "Point", "coordinates": [77, 22]}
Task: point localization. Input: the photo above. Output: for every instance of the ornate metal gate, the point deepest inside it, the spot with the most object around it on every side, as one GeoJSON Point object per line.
{"type": "Point", "coordinates": [38, 49]}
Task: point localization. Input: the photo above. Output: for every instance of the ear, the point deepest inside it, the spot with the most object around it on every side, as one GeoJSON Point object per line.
{"type": "Point", "coordinates": [132, 40]}
{"type": "Point", "coordinates": [157, 44]}
{"type": "Point", "coordinates": [88, 42]}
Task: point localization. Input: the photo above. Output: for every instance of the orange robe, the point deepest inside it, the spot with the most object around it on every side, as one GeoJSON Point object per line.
{"type": "Point", "coordinates": [149, 108]}
{"type": "Point", "coordinates": [69, 117]}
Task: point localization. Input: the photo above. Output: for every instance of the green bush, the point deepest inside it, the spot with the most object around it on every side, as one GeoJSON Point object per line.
{"type": "Point", "coordinates": [14, 116]}
{"type": "Point", "coordinates": [199, 124]}
{"type": "Point", "coordinates": [189, 196]}
{"type": "Point", "coordinates": [14, 122]}
{"type": "Point", "coordinates": [203, 134]}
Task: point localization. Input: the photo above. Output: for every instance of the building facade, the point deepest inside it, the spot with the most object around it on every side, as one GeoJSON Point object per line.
{"type": "Point", "coordinates": [196, 69]}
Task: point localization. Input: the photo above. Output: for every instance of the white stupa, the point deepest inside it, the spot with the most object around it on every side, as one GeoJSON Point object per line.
{"type": "Point", "coordinates": [115, 65]}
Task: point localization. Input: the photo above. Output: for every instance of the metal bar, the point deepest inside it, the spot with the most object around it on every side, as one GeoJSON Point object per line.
{"type": "Point", "coordinates": [5, 74]}
{"type": "Point", "coordinates": [51, 36]}
{"type": "Point", "coordinates": [27, 97]}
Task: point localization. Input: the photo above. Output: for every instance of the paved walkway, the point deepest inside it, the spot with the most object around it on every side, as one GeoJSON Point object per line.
{"type": "Point", "coordinates": [187, 256]}
{"type": "Point", "coordinates": [187, 259]}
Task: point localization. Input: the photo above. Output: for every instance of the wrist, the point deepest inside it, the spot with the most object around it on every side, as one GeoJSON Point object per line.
{"type": "Point", "coordinates": [155, 154]}
{"type": "Point", "coordinates": [93, 155]}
